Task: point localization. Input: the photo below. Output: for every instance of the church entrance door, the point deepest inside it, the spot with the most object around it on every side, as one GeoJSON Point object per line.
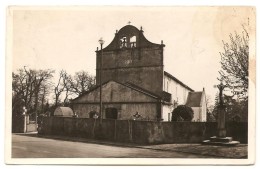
{"type": "Point", "coordinates": [111, 113]}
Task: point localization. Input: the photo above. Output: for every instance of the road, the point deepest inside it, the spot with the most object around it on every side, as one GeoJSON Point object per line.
{"type": "Point", "coordinates": [26, 146]}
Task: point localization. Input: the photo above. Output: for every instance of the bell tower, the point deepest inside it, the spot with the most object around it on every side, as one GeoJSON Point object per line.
{"type": "Point", "coordinates": [131, 58]}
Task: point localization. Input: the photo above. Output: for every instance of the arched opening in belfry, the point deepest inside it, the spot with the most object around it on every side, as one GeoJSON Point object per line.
{"type": "Point", "coordinates": [123, 42]}
{"type": "Point", "coordinates": [133, 41]}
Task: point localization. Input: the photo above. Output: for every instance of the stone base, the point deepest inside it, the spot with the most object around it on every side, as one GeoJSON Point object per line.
{"type": "Point", "coordinates": [220, 139]}
{"type": "Point", "coordinates": [226, 141]}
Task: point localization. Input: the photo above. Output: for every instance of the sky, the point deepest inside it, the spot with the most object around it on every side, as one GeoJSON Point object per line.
{"type": "Point", "coordinates": [67, 38]}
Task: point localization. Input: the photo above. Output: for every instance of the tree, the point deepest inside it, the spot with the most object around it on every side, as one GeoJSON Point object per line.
{"type": "Point", "coordinates": [208, 100]}
{"type": "Point", "coordinates": [210, 108]}
{"type": "Point", "coordinates": [234, 64]}
{"type": "Point", "coordinates": [66, 79]}
{"type": "Point", "coordinates": [210, 116]}
{"type": "Point", "coordinates": [60, 87]}
{"type": "Point", "coordinates": [40, 87]}
{"type": "Point", "coordinates": [234, 74]}
{"type": "Point", "coordinates": [81, 82]}
{"type": "Point", "coordinates": [182, 113]}
{"type": "Point", "coordinates": [30, 88]}
{"type": "Point", "coordinates": [236, 110]}
{"type": "Point", "coordinates": [22, 88]}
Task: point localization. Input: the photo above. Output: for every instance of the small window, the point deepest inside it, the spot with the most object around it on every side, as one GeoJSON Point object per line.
{"type": "Point", "coordinates": [167, 89]}
{"type": "Point", "coordinates": [169, 116]}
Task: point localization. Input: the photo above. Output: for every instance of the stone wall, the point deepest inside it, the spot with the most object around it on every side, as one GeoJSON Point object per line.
{"type": "Point", "coordinates": [18, 124]}
{"type": "Point", "coordinates": [139, 66]}
{"type": "Point", "coordinates": [125, 111]}
{"type": "Point", "coordinates": [31, 128]}
{"type": "Point", "coordinates": [141, 132]}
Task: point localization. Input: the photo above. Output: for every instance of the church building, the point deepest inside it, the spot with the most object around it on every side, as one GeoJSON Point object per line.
{"type": "Point", "coordinates": [133, 81]}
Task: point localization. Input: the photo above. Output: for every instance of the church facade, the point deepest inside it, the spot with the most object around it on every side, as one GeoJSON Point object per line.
{"type": "Point", "coordinates": [133, 81]}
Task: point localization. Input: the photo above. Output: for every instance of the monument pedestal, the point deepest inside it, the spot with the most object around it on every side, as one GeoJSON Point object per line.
{"type": "Point", "coordinates": [222, 141]}
{"type": "Point", "coordinates": [221, 138]}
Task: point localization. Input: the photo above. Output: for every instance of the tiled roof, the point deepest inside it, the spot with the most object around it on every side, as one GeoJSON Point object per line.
{"type": "Point", "coordinates": [194, 99]}
{"type": "Point", "coordinates": [127, 84]}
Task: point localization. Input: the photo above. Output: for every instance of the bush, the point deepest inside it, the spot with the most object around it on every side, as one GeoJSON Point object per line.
{"type": "Point", "coordinates": [182, 113]}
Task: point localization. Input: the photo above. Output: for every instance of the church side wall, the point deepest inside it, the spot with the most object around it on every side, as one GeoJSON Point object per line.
{"type": "Point", "coordinates": [178, 92]}
{"type": "Point", "coordinates": [167, 112]}
{"type": "Point", "coordinates": [204, 110]}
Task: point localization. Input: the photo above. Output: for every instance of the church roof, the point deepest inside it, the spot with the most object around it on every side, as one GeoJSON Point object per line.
{"type": "Point", "coordinates": [129, 85]}
{"type": "Point", "coordinates": [178, 81]}
{"type": "Point", "coordinates": [194, 99]}
{"type": "Point", "coordinates": [140, 89]}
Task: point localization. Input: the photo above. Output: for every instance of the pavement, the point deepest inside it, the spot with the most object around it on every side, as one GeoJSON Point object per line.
{"type": "Point", "coordinates": [30, 144]}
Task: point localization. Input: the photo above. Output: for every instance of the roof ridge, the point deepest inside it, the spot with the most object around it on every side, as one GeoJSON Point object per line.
{"type": "Point", "coordinates": [127, 84]}
{"type": "Point", "coordinates": [180, 82]}
{"type": "Point", "coordinates": [140, 89]}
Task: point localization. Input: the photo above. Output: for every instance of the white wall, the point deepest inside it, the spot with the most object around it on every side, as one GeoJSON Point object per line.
{"type": "Point", "coordinates": [178, 92]}
{"type": "Point", "coordinates": [204, 108]}
{"type": "Point", "coordinates": [167, 112]}
{"type": "Point", "coordinates": [200, 114]}
{"type": "Point", "coordinates": [196, 111]}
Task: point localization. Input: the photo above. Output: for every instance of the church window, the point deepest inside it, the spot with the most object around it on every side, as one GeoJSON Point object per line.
{"type": "Point", "coordinates": [167, 87]}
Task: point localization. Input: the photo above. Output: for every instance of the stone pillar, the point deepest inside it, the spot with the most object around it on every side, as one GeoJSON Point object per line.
{"type": "Point", "coordinates": [25, 122]}
{"type": "Point", "coordinates": [221, 113]}
{"type": "Point", "coordinates": [221, 123]}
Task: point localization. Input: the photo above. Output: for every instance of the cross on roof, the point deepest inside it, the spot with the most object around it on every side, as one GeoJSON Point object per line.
{"type": "Point", "coordinates": [129, 22]}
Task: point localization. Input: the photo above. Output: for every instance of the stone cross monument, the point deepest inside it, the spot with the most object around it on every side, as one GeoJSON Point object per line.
{"type": "Point", "coordinates": [221, 138]}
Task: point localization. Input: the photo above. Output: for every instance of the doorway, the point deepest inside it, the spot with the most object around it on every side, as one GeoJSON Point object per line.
{"type": "Point", "coordinates": [111, 113]}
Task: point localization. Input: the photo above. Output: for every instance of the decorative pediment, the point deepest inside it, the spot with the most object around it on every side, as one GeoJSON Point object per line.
{"type": "Point", "coordinates": [129, 37]}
